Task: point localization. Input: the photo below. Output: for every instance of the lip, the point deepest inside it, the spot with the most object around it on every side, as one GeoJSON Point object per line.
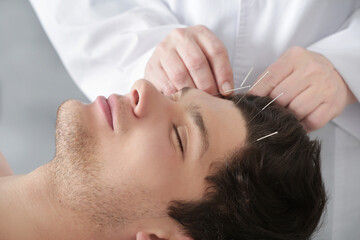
{"type": "Point", "coordinates": [106, 109]}
{"type": "Point", "coordinates": [113, 102]}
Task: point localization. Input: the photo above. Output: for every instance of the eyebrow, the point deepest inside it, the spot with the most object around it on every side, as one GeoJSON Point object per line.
{"type": "Point", "coordinates": [198, 121]}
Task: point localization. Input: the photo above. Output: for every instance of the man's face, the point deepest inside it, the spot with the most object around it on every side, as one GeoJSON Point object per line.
{"type": "Point", "coordinates": [132, 143]}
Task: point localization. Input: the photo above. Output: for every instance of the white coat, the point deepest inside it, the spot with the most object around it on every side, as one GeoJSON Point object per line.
{"type": "Point", "coordinates": [105, 46]}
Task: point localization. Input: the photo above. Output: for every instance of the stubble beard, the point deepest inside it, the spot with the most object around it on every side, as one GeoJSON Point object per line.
{"type": "Point", "coordinates": [77, 185]}
{"type": "Point", "coordinates": [75, 172]}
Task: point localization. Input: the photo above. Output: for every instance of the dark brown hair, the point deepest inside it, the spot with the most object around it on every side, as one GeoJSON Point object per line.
{"type": "Point", "coordinates": [270, 189]}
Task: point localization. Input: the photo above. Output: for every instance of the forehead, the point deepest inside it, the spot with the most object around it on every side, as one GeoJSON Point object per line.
{"type": "Point", "coordinates": [225, 124]}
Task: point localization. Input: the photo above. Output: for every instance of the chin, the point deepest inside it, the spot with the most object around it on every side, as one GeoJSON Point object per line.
{"type": "Point", "coordinates": [72, 136]}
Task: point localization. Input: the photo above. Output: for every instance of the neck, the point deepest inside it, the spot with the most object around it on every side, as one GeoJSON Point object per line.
{"type": "Point", "coordinates": [27, 202]}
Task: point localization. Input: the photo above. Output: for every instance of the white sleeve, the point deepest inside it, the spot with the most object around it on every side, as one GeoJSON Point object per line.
{"type": "Point", "coordinates": [343, 50]}
{"type": "Point", "coordinates": [105, 45]}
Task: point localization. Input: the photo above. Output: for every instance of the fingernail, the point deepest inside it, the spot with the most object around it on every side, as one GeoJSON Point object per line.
{"type": "Point", "coordinates": [226, 87]}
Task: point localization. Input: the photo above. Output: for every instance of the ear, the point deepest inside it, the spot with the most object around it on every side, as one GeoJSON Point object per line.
{"type": "Point", "coordinates": [151, 236]}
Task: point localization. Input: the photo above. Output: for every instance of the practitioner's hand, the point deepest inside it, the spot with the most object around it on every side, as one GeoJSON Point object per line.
{"type": "Point", "coordinates": [313, 90]}
{"type": "Point", "coordinates": [192, 57]}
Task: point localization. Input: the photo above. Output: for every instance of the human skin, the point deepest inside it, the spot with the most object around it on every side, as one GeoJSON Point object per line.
{"type": "Point", "coordinates": [5, 169]}
{"type": "Point", "coordinates": [190, 57]}
{"type": "Point", "coordinates": [115, 181]}
{"type": "Point", "coordinates": [313, 89]}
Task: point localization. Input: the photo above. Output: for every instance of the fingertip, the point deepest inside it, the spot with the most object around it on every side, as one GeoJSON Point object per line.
{"type": "Point", "coordinates": [226, 88]}
{"type": "Point", "coordinates": [318, 118]}
{"type": "Point", "coordinates": [307, 129]}
{"type": "Point", "coordinates": [227, 94]}
{"type": "Point", "coordinates": [256, 93]}
{"type": "Point", "coordinates": [251, 92]}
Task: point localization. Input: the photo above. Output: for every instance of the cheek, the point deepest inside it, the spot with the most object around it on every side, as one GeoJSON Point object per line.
{"type": "Point", "coordinates": [146, 160]}
{"type": "Point", "coordinates": [155, 161]}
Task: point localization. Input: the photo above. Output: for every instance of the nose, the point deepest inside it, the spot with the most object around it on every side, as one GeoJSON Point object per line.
{"type": "Point", "coordinates": [144, 96]}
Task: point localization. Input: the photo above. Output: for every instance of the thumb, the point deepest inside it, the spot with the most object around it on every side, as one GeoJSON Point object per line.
{"type": "Point", "coordinates": [224, 79]}
{"type": "Point", "coordinates": [225, 88]}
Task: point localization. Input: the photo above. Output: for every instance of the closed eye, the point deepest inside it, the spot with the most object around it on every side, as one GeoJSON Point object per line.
{"type": "Point", "coordinates": [180, 145]}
